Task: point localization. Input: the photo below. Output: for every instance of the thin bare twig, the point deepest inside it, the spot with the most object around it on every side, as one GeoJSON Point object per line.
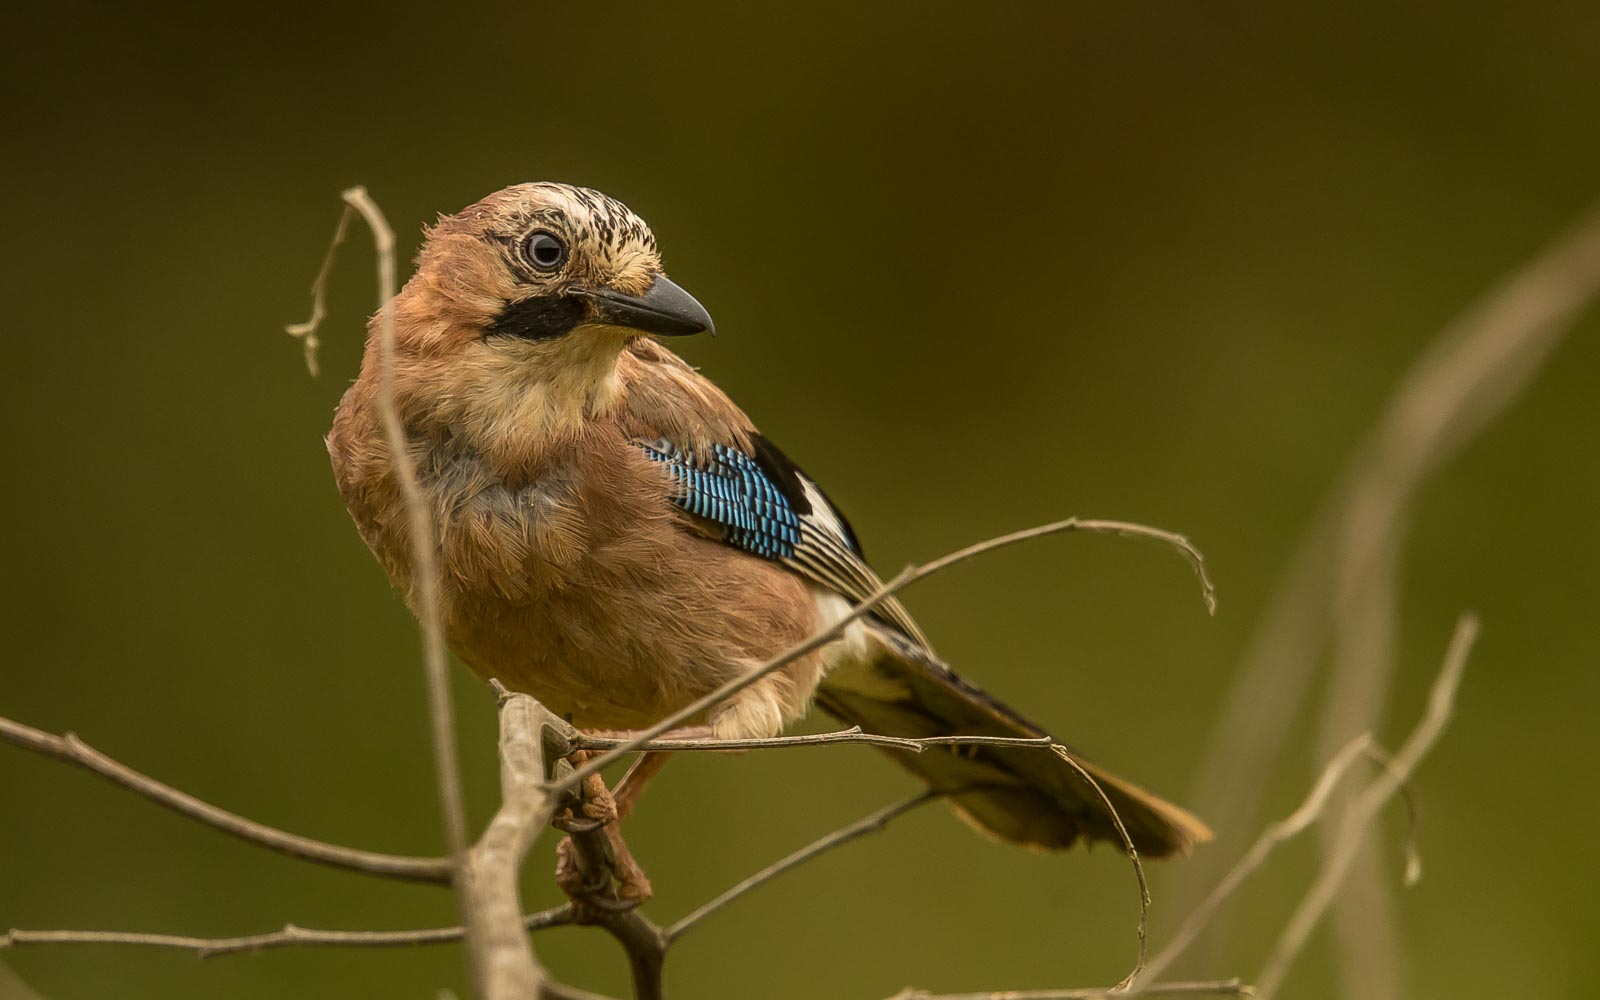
{"type": "Point", "coordinates": [1214, 988]}
{"type": "Point", "coordinates": [290, 936]}
{"type": "Point", "coordinates": [1274, 835]}
{"type": "Point", "coordinates": [1461, 384]}
{"type": "Point", "coordinates": [1342, 581]}
{"type": "Point", "coordinates": [307, 331]}
{"type": "Point", "coordinates": [869, 824]}
{"type": "Point", "coordinates": [1133, 857]}
{"type": "Point", "coordinates": [906, 577]}
{"type": "Point", "coordinates": [424, 545]}
{"type": "Point", "coordinates": [501, 957]}
{"type": "Point", "coordinates": [1356, 822]}
{"type": "Point", "coordinates": [584, 741]}
{"type": "Point", "coordinates": [69, 749]}
{"type": "Point", "coordinates": [493, 925]}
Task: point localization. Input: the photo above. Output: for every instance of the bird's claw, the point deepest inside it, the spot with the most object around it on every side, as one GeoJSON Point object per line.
{"type": "Point", "coordinates": [568, 823]}
{"type": "Point", "coordinates": [599, 872]}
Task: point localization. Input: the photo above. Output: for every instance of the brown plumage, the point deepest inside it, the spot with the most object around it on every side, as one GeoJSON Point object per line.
{"type": "Point", "coordinates": [571, 566]}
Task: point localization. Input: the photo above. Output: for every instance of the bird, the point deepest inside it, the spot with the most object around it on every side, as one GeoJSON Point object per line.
{"type": "Point", "coordinates": [616, 538]}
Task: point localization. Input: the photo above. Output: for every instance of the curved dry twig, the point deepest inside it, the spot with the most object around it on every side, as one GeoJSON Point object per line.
{"type": "Point", "coordinates": [1357, 820]}
{"type": "Point", "coordinates": [441, 710]}
{"type": "Point", "coordinates": [307, 332]}
{"type": "Point", "coordinates": [69, 749]}
{"type": "Point", "coordinates": [903, 579]}
{"type": "Point", "coordinates": [860, 828]}
{"type": "Point", "coordinates": [1133, 857]}
{"type": "Point", "coordinates": [1212, 988]}
{"type": "Point", "coordinates": [1340, 587]}
{"type": "Point", "coordinates": [290, 936]}
{"type": "Point", "coordinates": [853, 735]}
{"type": "Point", "coordinates": [1285, 829]}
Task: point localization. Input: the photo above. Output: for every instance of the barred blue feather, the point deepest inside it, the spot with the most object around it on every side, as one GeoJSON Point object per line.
{"type": "Point", "coordinates": [769, 508]}
{"type": "Point", "coordinates": [728, 488]}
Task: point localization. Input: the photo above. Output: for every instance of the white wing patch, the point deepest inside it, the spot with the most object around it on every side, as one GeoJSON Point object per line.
{"type": "Point", "coordinates": [825, 555]}
{"type": "Point", "coordinates": [822, 512]}
{"type": "Point", "coordinates": [848, 664]}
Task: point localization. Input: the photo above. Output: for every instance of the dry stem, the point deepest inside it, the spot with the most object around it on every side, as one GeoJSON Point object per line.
{"type": "Point", "coordinates": [290, 936]}
{"type": "Point", "coordinates": [853, 735]}
{"type": "Point", "coordinates": [1342, 581]}
{"type": "Point", "coordinates": [497, 945]}
{"type": "Point", "coordinates": [70, 749]}
{"type": "Point", "coordinates": [307, 331]}
{"type": "Point", "coordinates": [1285, 829]}
{"type": "Point", "coordinates": [860, 828]}
{"type": "Point", "coordinates": [1213, 988]}
{"type": "Point", "coordinates": [424, 546]}
{"type": "Point", "coordinates": [1356, 821]}
{"type": "Point", "coordinates": [1133, 858]}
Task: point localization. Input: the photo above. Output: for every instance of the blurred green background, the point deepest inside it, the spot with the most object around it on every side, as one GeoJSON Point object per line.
{"type": "Point", "coordinates": [976, 267]}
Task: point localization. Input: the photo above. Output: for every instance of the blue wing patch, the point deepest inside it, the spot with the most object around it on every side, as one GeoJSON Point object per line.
{"type": "Point", "coordinates": [728, 488]}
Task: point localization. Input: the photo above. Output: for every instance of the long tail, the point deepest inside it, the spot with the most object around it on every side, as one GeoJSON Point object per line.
{"type": "Point", "coordinates": [1019, 794]}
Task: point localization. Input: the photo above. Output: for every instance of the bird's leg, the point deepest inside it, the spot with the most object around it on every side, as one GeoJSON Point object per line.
{"type": "Point", "coordinates": [586, 860]}
{"type": "Point", "coordinates": [586, 866]}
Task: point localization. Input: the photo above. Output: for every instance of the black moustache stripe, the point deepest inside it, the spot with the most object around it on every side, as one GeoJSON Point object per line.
{"type": "Point", "coordinates": [538, 318]}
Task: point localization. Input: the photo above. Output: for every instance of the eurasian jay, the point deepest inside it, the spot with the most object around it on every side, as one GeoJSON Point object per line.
{"type": "Point", "coordinates": [617, 539]}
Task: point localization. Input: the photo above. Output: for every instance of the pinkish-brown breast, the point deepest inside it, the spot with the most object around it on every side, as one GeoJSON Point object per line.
{"type": "Point", "coordinates": [569, 575]}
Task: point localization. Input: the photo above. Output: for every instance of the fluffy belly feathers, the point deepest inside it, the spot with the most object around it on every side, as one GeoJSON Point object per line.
{"type": "Point", "coordinates": [617, 622]}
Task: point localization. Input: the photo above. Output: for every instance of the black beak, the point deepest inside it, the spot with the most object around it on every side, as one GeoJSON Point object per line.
{"type": "Point", "coordinates": [665, 310]}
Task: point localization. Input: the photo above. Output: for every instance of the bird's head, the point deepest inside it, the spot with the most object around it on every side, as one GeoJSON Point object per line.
{"type": "Point", "coordinates": [526, 298]}
{"type": "Point", "coordinates": [542, 262]}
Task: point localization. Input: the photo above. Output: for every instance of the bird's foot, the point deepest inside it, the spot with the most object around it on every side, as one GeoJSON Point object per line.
{"type": "Point", "coordinates": [596, 805]}
{"type": "Point", "coordinates": [594, 866]}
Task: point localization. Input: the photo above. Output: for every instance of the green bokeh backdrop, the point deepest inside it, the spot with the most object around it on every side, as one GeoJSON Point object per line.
{"type": "Point", "coordinates": [975, 266]}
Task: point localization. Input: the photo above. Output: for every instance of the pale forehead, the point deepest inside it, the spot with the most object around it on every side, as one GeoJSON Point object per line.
{"type": "Point", "coordinates": [584, 212]}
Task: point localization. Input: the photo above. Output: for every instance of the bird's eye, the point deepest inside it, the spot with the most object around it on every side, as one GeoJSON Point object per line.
{"type": "Point", "coordinates": [544, 250]}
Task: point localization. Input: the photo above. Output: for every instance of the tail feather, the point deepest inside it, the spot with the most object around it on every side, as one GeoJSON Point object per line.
{"type": "Point", "coordinates": [1021, 795]}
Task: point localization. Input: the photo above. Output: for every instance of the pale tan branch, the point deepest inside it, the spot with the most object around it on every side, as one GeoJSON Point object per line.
{"type": "Point", "coordinates": [1358, 819]}
{"type": "Point", "coordinates": [424, 545]}
{"type": "Point", "coordinates": [1274, 835]}
{"type": "Point", "coordinates": [853, 735]}
{"type": "Point", "coordinates": [869, 824]}
{"type": "Point", "coordinates": [1342, 584]}
{"type": "Point", "coordinates": [906, 577]}
{"type": "Point", "coordinates": [69, 749]}
{"type": "Point", "coordinates": [487, 882]}
{"type": "Point", "coordinates": [290, 936]}
{"type": "Point", "coordinates": [307, 331]}
{"type": "Point", "coordinates": [1213, 988]}
{"type": "Point", "coordinates": [642, 941]}
{"type": "Point", "coordinates": [1133, 857]}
